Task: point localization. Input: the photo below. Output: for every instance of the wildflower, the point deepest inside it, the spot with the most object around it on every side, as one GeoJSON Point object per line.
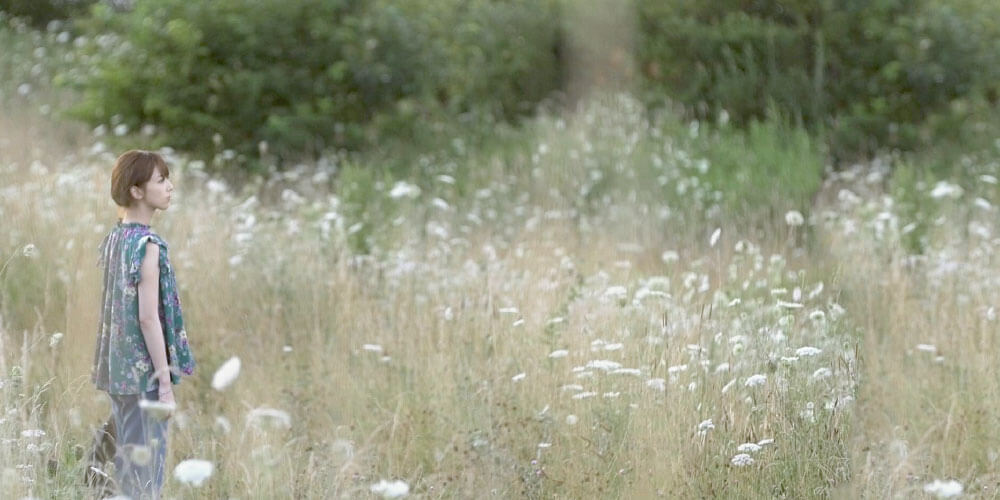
{"type": "Point", "coordinates": [789, 305]}
{"type": "Point", "coordinates": [390, 489]}
{"type": "Point", "coordinates": [222, 424]}
{"type": "Point", "coordinates": [715, 237]}
{"type": "Point", "coordinates": [616, 292]}
{"type": "Point", "coordinates": [755, 380]}
{"type": "Point", "coordinates": [277, 418]}
{"type": "Point", "coordinates": [657, 383]}
{"type": "Point", "coordinates": [603, 364]}
{"type": "Point", "coordinates": [729, 385]}
{"type": "Point", "coordinates": [584, 395]}
{"type": "Point", "coordinates": [226, 374]}
{"type": "Point", "coordinates": [157, 409]}
{"type": "Point", "coordinates": [193, 471]}
{"type": "Point", "coordinates": [748, 448]}
{"type": "Point", "coordinates": [559, 353]}
{"type": "Point", "coordinates": [705, 426]}
{"type": "Point", "coordinates": [519, 377]}
{"type": "Point", "coordinates": [673, 370]}
{"type": "Point", "coordinates": [670, 256]}
{"type": "Point", "coordinates": [944, 189]}
{"type": "Point", "coordinates": [544, 445]}
{"type": "Point", "coordinates": [572, 419]}
{"type": "Point", "coordinates": [807, 351]}
{"type": "Point", "coordinates": [794, 218]}
{"type": "Point", "coordinates": [765, 442]}
{"type": "Point", "coordinates": [626, 371]}
{"type": "Point", "coordinates": [508, 310]}
{"type": "Point", "coordinates": [944, 489]}
{"type": "Point", "coordinates": [822, 373]}
{"type": "Point", "coordinates": [55, 338]}
{"type": "Point", "coordinates": [32, 433]}
{"type": "Point", "coordinates": [403, 189]}
{"type": "Point", "coordinates": [372, 348]}
{"type": "Point", "coordinates": [808, 414]}
{"type": "Point", "coordinates": [30, 251]}
{"type": "Point", "coordinates": [141, 455]}
{"type": "Point", "coordinates": [742, 460]}
{"type": "Point", "coordinates": [927, 348]}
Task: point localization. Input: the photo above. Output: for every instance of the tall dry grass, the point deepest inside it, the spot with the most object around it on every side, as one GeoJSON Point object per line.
{"type": "Point", "coordinates": [517, 342]}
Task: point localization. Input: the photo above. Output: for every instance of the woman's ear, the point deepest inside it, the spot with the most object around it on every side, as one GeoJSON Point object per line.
{"type": "Point", "coordinates": [136, 192]}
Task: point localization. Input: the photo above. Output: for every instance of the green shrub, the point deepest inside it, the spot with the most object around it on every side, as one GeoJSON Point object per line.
{"type": "Point", "coordinates": [40, 12]}
{"type": "Point", "coordinates": [314, 75]}
{"type": "Point", "coordinates": [869, 72]}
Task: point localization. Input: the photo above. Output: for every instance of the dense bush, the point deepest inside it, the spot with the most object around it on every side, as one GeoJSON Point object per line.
{"type": "Point", "coordinates": [40, 12]}
{"type": "Point", "coordinates": [870, 72]}
{"type": "Point", "coordinates": [313, 75]}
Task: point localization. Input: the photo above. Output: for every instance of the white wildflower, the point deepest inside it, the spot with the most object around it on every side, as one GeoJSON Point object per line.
{"type": "Point", "coordinates": [559, 353]}
{"type": "Point", "coordinates": [604, 364]}
{"type": "Point", "coordinates": [226, 374]}
{"type": "Point", "coordinates": [390, 489]}
{"type": "Point", "coordinates": [157, 409]}
{"type": "Point", "coordinates": [193, 471]}
{"type": "Point", "coordinates": [657, 383]}
{"type": "Point", "coordinates": [376, 348]}
{"type": "Point", "coordinates": [141, 455]}
{"type": "Point", "coordinates": [33, 433]}
{"type": "Point", "coordinates": [742, 460]}
{"type": "Point", "coordinates": [944, 489]}
{"type": "Point", "coordinates": [705, 426]}
{"type": "Point", "coordinates": [670, 256]}
{"type": "Point", "coordinates": [794, 218]}
{"type": "Point", "coordinates": [945, 189]}
{"type": "Point", "coordinates": [927, 348]}
{"type": "Point", "coordinates": [271, 416]}
{"type": "Point", "coordinates": [755, 380]}
{"type": "Point", "coordinates": [404, 189]}
{"type": "Point", "coordinates": [765, 442]}
{"type": "Point", "coordinates": [616, 292]}
{"type": "Point", "coordinates": [748, 448]}
{"type": "Point", "coordinates": [55, 338]}
{"type": "Point", "coordinates": [807, 351]}
{"type": "Point", "coordinates": [715, 237]}
{"type": "Point", "coordinates": [572, 419]}
{"type": "Point", "coordinates": [30, 251]}
{"type": "Point", "coordinates": [519, 377]}
{"type": "Point", "coordinates": [584, 395]}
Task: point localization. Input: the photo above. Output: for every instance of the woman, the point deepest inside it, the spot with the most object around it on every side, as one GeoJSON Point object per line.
{"type": "Point", "coordinates": [142, 347]}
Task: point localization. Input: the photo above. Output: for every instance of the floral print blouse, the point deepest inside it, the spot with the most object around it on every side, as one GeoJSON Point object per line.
{"type": "Point", "coordinates": [122, 364]}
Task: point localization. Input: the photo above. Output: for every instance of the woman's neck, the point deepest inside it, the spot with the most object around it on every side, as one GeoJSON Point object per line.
{"type": "Point", "coordinates": [140, 214]}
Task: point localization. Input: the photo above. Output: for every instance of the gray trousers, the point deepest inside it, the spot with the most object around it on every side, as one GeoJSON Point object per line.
{"type": "Point", "coordinates": [140, 447]}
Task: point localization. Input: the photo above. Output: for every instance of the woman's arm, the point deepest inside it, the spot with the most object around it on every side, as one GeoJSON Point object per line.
{"type": "Point", "coordinates": [149, 318]}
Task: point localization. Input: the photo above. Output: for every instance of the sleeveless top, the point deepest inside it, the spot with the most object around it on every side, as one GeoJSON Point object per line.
{"type": "Point", "coordinates": [122, 364]}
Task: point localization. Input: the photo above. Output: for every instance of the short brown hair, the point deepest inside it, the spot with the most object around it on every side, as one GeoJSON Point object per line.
{"type": "Point", "coordinates": [134, 168]}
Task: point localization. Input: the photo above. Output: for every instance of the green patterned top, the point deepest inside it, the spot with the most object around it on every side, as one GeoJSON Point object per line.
{"type": "Point", "coordinates": [122, 364]}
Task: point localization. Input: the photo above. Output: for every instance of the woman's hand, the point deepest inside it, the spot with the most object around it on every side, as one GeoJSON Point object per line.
{"type": "Point", "coordinates": [166, 392]}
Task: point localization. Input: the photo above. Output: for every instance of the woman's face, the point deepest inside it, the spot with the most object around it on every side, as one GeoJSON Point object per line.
{"type": "Point", "coordinates": [157, 190]}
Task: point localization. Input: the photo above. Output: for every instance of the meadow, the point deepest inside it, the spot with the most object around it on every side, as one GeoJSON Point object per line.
{"type": "Point", "coordinates": [600, 303]}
